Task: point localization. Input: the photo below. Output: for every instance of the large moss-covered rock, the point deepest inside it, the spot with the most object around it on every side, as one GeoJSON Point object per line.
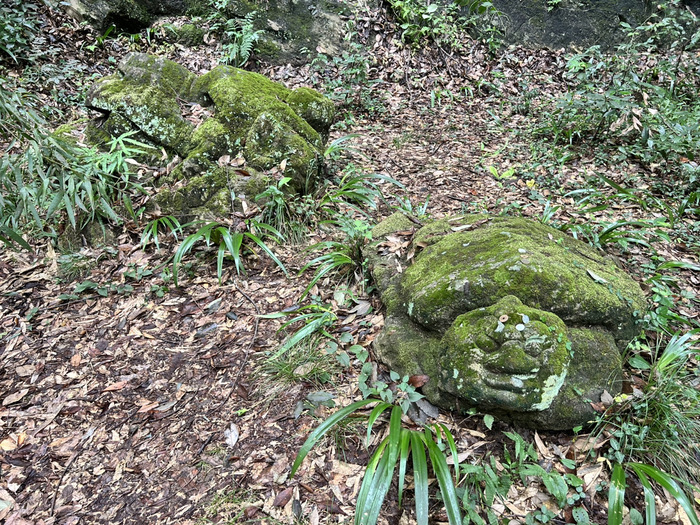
{"type": "Point", "coordinates": [225, 113]}
{"type": "Point", "coordinates": [506, 315]}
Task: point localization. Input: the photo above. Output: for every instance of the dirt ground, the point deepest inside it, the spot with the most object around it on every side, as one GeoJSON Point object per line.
{"type": "Point", "coordinates": [139, 408]}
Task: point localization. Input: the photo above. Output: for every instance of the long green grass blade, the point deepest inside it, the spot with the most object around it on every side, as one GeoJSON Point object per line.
{"type": "Point", "coordinates": [616, 495]}
{"type": "Point", "coordinates": [299, 336]}
{"type": "Point", "coordinates": [184, 249]}
{"type": "Point", "coordinates": [453, 449]}
{"type": "Point", "coordinates": [442, 473]}
{"type": "Point", "coordinates": [267, 250]}
{"type": "Point", "coordinates": [649, 499]}
{"type": "Point", "coordinates": [362, 509]}
{"type": "Point", "coordinates": [324, 427]}
{"type": "Point", "coordinates": [420, 477]}
{"type": "Point", "coordinates": [376, 412]}
{"type": "Point", "coordinates": [404, 451]}
{"type": "Point", "coordinates": [670, 484]}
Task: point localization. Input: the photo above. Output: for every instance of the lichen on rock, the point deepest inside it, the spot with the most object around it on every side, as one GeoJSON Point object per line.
{"type": "Point", "coordinates": [520, 320]}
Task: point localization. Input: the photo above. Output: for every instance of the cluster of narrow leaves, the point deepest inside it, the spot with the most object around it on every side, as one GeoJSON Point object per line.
{"type": "Point", "coordinates": [230, 243]}
{"type": "Point", "coordinates": [395, 449]}
{"type": "Point", "coordinates": [616, 495]}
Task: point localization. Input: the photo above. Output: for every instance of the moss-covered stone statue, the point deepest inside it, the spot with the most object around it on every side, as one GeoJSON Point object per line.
{"type": "Point", "coordinates": [505, 315]}
{"type": "Point", "coordinates": [221, 114]}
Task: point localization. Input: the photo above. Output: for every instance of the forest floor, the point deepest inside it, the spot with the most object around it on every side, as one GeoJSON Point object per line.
{"type": "Point", "coordinates": [157, 404]}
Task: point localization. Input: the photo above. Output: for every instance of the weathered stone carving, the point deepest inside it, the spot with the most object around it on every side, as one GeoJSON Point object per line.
{"type": "Point", "coordinates": [504, 314]}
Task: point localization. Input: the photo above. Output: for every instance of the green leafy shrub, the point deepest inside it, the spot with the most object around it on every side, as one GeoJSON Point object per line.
{"type": "Point", "coordinates": [423, 23]}
{"type": "Point", "coordinates": [660, 425]}
{"type": "Point", "coordinates": [639, 101]}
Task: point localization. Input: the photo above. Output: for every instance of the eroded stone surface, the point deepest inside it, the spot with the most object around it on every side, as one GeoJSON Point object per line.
{"type": "Point", "coordinates": [506, 315]}
{"type": "Point", "coordinates": [226, 112]}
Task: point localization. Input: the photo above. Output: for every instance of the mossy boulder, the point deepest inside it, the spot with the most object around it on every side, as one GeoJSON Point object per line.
{"type": "Point", "coordinates": [506, 315]}
{"type": "Point", "coordinates": [225, 113]}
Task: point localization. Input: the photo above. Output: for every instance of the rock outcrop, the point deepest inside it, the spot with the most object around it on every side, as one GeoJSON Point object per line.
{"type": "Point", "coordinates": [208, 120]}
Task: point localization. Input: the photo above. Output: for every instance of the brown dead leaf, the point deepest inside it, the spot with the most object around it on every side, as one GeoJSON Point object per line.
{"type": "Point", "coordinates": [75, 360]}
{"type": "Point", "coordinates": [116, 386]}
{"type": "Point", "coordinates": [283, 497]}
{"type": "Point", "coordinates": [13, 398]}
{"type": "Point", "coordinates": [417, 381]}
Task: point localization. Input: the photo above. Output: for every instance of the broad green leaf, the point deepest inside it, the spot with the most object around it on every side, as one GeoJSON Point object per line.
{"type": "Point", "coordinates": [8, 236]}
{"type": "Point", "coordinates": [556, 486]}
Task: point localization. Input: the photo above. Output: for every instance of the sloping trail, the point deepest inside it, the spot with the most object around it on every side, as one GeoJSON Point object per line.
{"type": "Point", "coordinates": [115, 409]}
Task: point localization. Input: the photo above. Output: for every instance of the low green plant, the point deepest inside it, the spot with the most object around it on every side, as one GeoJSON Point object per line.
{"type": "Point", "coordinates": [19, 25]}
{"type": "Point", "coordinates": [168, 223]}
{"type": "Point", "coordinates": [645, 474]}
{"type": "Point", "coordinates": [238, 34]}
{"type": "Point", "coordinates": [638, 102]}
{"type": "Point", "coordinates": [345, 76]}
{"type": "Point", "coordinates": [391, 456]}
{"type": "Point", "coordinates": [419, 211]}
{"type": "Point", "coordinates": [290, 213]}
{"type": "Point", "coordinates": [230, 239]}
{"type": "Point", "coordinates": [303, 362]}
{"type": "Point", "coordinates": [316, 320]}
{"type": "Point", "coordinates": [667, 295]}
{"type": "Point", "coordinates": [443, 24]}
{"type": "Point", "coordinates": [660, 425]}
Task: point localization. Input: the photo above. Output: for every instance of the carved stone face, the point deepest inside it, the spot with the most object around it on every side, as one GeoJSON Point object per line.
{"type": "Point", "coordinates": [506, 356]}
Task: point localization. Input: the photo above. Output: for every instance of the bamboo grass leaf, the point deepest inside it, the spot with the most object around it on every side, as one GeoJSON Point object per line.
{"type": "Point", "coordinates": [381, 481]}
{"type": "Point", "coordinates": [649, 499]}
{"type": "Point", "coordinates": [362, 509]}
{"type": "Point", "coordinates": [267, 250]}
{"type": "Point", "coordinates": [376, 412]}
{"type": "Point", "coordinates": [453, 449]}
{"type": "Point", "coordinates": [404, 452]}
